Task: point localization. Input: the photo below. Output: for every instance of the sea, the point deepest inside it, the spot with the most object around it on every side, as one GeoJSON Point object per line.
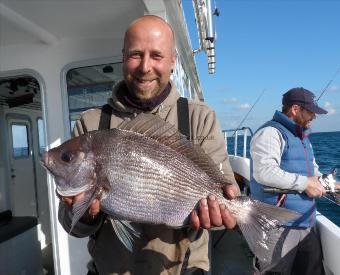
{"type": "Point", "coordinates": [326, 146]}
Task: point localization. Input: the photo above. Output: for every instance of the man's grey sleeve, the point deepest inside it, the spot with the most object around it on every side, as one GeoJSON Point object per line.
{"type": "Point", "coordinates": [266, 150]}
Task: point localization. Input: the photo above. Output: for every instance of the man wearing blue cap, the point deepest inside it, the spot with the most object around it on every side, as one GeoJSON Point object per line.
{"type": "Point", "coordinates": [282, 157]}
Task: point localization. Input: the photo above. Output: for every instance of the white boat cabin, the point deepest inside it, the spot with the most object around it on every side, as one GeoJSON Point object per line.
{"type": "Point", "coordinates": [57, 59]}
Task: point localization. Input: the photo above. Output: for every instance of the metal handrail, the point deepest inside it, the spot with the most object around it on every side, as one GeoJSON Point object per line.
{"type": "Point", "coordinates": [236, 131]}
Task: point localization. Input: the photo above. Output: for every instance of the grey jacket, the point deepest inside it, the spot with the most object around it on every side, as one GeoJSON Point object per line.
{"type": "Point", "coordinates": [160, 250]}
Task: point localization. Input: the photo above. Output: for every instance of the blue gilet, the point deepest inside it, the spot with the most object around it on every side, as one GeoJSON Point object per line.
{"type": "Point", "coordinates": [297, 158]}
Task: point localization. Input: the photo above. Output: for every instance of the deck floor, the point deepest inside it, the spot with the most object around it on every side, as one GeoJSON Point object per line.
{"type": "Point", "coordinates": [231, 255]}
{"type": "Point", "coordinates": [47, 260]}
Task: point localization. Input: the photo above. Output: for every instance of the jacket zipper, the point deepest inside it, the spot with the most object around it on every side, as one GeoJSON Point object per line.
{"type": "Point", "coordinates": [311, 218]}
{"type": "Point", "coordinates": [306, 157]}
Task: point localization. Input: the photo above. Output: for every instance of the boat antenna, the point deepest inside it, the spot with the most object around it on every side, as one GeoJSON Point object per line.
{"type": "Point", "coordinates": [252, 107]}
{"type": "Point", "coordinates": [216, 10]}
{"type": "Point", "coordinates": [328, 84]}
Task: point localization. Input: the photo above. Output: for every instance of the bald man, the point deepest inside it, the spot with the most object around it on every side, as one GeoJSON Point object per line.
{"type": "Point", "coordinates": [148, 60]}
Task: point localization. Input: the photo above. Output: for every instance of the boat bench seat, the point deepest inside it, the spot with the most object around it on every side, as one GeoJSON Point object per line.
{"type": "Point", "coordinates": [12, 226]}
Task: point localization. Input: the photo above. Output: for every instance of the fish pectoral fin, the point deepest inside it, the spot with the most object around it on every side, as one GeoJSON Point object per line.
{"type": "Point", "coordinates": [125, 232]}
{"type": "Point", "coordinates": [79, 208]}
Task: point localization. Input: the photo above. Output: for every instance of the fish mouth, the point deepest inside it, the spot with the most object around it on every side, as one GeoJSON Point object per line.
{"type": "Point", "coordinates": [44, 160]}
{"type": "Point", "coordinates": [47, 162]}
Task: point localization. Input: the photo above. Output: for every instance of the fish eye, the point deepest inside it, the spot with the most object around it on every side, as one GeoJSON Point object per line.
{"type": "Point", "coordinates": [66, 157]}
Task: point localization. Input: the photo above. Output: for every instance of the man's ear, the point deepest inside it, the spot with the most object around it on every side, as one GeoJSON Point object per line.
{"type": "Point", "coordinates": [123, 55]}
{"type": "Point", "coordinates": [294, 109]}
{"type": "Point", "coordinates": [173, 62]}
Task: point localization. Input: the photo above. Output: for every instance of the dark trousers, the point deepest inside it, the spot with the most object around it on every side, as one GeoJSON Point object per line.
{"type": "Point", "coordinates": [304, 259]}
{"type": "Point", "coordinates": [193, 271]}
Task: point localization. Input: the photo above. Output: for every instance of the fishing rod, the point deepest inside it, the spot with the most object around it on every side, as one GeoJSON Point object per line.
{"type": "Point", "coordinates": [327, 181]}
{"type": "Point", "coordinates": [336, 203]}
{"type": "Point", "coordinates": [252, 107]}
{"type": "Point", "coordinates": [328, 84]}
{"type": "Point", "coordinates": [287, 191]}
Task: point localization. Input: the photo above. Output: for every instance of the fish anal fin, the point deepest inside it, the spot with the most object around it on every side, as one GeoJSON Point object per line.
{"type": "Point", "coordinates": [125, 232]}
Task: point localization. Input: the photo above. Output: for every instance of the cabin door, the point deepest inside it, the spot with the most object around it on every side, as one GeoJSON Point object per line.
{"type": "Point", "coordinates": [22, 176]}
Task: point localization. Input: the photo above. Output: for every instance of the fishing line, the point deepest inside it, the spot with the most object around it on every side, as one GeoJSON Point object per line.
{"type": "Point", "coordinates": [336, 203]}
{"type": "Point", "coordinates": [328, 84]}
{"type": "Point", "coordinates": [252, 107]}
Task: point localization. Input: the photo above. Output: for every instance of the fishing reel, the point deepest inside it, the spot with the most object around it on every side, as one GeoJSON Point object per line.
{"type": "Point", "coordinates": [328, 181]}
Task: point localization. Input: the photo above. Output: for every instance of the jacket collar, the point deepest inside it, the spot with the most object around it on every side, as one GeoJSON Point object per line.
{"type": "Point", "coordinates": [296, 129]}
{"type": "Point", "coordinates": [117, 105]}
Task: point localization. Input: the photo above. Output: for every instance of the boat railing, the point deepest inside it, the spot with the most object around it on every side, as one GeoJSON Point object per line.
{"type": "Point", "coordinates": [245, 131]}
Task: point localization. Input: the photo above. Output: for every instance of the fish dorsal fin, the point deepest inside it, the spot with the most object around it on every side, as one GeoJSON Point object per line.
{"type": "Point", "coordinates": [154, 127]}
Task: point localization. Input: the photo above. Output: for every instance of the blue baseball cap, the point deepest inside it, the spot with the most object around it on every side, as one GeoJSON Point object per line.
{"type": "Point", "coordinates": [304, 98]}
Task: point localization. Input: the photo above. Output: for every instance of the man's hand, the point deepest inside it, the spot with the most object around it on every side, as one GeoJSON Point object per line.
{"type": "Point", "coordinates": [337, 186]}
{"type": "Point", "coordinates": [314, 188]}
{"type": "Point", "coordinates": [211, 214]}
{"type": "Point", "coordinates": [93, 210]}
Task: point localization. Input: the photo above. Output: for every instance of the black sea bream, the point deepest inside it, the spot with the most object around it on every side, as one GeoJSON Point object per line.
{"type": "Point", "coordinates": [147, 172]}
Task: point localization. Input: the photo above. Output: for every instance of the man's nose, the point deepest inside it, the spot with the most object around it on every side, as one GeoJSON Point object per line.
{"type": "Point", "coordinates": [146, 64]}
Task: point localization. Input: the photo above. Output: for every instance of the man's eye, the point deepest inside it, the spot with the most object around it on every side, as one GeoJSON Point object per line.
{"type": "Point", "coordinates": [157, 57]}
{"type": "Point", "coordinates": [66, 157]}
{"type": "Point", "coordinates": [135, 55]}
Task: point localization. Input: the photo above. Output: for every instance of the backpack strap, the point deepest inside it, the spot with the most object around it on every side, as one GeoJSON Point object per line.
{"type": "Point", "coordinates": [183, 116]}
{"type": "Point", "coordinates": [105, 117]}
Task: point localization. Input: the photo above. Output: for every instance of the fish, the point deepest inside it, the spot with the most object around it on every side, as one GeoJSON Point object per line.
{"type": "Point", "coordinates": [145, 171]}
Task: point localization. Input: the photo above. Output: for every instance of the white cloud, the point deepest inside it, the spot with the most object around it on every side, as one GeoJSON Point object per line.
{"type": "Point", "coordinates": [231, 100]}
{"type": "Point", "coordinates": [330, 108]}
{"type": "Point", "coordinates": [244, 106]}
{"type": "Point", "coordinates": [334, 88]}
{"type": "Point", "coordinates": [223, 89]}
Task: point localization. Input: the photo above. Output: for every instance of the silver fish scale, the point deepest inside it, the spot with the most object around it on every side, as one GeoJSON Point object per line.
{"type": "Point", "coordinates": [151, 182]}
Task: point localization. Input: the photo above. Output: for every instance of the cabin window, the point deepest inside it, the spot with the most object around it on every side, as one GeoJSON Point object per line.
{"type": "Point", "coordinates": [20, 147]}
{"type": "Point", "coordinates": [186, 86]}
{"type": "Point", "coordinates": [41, 135]}
{"type": "Point", "coordinates": [181, 79]}
{"type": "Point", "coordinates": [90, 87]}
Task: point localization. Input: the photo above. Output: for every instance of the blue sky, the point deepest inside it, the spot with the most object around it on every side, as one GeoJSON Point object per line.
{"type": "Point", "coordinates": [271, 45]}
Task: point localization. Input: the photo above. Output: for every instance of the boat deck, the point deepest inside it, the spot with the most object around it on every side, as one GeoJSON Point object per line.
{"type": "Point", "coordinates": [230, 254]}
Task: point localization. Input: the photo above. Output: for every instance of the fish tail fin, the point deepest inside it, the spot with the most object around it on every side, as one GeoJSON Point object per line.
{"type": "Point", "coordinates": [261, 226]}
{"type": "Point", "coordinates": [125, 232]}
